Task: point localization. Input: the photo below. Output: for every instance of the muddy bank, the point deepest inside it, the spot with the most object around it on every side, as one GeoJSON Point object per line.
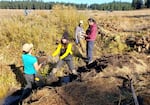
{"type": "Point", "coordinates": [104, 82]}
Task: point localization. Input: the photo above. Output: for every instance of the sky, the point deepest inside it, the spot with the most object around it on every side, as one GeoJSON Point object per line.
{"type": "Point", "coordinates": [87, 1]}
{"type": "Point", "coordinates": [79, 1]}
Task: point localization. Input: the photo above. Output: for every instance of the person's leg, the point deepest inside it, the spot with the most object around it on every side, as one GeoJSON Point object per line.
{"type": "Point", "coordinates": [71, 66]}
{"type": "Point", "coordinates": [27, 90]}
{"type": "Point", "coordinates": [52, 75]}
{"type": "Point", "coordinates": [87, 48]}
{"type": "Point", "coordinates": [78, 51]}
{"type": "Point", "coordinates": [82, 47]}
{"type": "Point", "coordinates": [90, 46]}
{"type": "Point", "coordinates": [29, 80]}
{"type": "Point", "coordinates": [59, 64]}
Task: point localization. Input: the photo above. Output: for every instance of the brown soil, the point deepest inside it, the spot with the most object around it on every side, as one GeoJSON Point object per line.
{"type": "Point", "coordinates": [104, 82]}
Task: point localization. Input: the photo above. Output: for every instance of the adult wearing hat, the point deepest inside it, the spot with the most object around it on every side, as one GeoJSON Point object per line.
{"type": "Point", "coordinates": [31, 67]}
{"type": "Point", "coordinates": [64, 50]}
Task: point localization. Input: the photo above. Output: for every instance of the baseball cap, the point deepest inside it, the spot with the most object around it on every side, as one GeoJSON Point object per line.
{"type": "Point", "coordinates": [81, 21]}
{"type": "Point", "coordinates": [27, 47]}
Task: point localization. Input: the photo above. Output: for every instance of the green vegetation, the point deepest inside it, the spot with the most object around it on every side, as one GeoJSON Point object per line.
{"type": "Point", "coordinates": [7, 80]}
{"type": "Point", "coordinates": [41, 28]}
{"type": "Point", "coordinates": [147, 3]}
{"type": "Point", "coordinates": [33, 4]}
{"type": "Point", "coordinates": [138, 4]}
{"type": "Point", "coordinates": [112, 6]}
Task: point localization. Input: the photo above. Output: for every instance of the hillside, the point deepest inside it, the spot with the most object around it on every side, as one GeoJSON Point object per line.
{"type": "Point", "coordinates": [106, 81]}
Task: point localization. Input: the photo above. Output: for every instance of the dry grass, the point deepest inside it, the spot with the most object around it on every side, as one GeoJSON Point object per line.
{"type": "Point", "coordinates": [7, 80]}
{"type": "Point", "coordinates": [42, 28]}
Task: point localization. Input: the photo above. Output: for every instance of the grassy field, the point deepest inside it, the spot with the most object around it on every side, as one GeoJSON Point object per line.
{"type": "Point", "coordinates": [43, 28]}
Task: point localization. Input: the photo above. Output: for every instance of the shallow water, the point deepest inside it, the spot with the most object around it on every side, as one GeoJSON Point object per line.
{"type": "Point", "coordinates": [12, 100]}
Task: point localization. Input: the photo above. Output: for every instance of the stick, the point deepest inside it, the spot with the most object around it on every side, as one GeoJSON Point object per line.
{"type": "Point", "coordinates": [133, 93]}
{"type": "Point", "coordinates": [119, 100]}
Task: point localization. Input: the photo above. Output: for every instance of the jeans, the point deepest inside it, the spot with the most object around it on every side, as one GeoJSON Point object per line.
{"type": "Point", "coordinates": [89, 50]}
{"type": "Point", "coordinates": [30, 83]}
{"type": "Point", "coordinates": [29, 80]}
{"type": "Point", "coordinates": [28, 88]}
{"type": "Point", "coordinates": [68, 61]}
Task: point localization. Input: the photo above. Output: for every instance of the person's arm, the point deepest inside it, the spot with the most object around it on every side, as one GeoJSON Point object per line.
{"type": "Point", "coordinates": [76, 35]}
{"type": "Point", "coordinates": [69, 50]}
{"type": "Point", "coordinates": [93, 32]}
{"type": "Point", "coordinates": [37, 66]}
{"type": "Point", "coordinates": [57, 51]}
{"type": "Point", "coordinates": [85, 34]}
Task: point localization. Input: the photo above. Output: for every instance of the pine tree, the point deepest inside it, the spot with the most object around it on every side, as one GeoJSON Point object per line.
{"type": "Point", "coordinates": [134, 3]}
{"type": "Point", "coordinates": [147, 3]}
{"type": "Point", "coordinates": [137, 4]}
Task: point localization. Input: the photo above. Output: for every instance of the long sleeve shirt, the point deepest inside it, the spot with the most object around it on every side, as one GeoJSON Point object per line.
{"type": "Point", "coordinates": [78, 32]}
{"type": "Point", "coordinates": [92, 33]}
{"type": "Point", "coordinates": [66, 53]}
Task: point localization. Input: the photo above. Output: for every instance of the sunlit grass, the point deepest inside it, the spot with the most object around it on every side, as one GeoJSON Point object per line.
{"type": "Point", "coordinates": [43, 28]}
{"type": "Point", "coordinates": [7, 80]}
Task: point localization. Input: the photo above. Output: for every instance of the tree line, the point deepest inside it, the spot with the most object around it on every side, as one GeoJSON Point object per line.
{"type": "Point", "coordinates": [36, 4]}
{"type": "Point", "coordinates": [112, 6]}
{"type": "Point", "coordinates": [138, 4]}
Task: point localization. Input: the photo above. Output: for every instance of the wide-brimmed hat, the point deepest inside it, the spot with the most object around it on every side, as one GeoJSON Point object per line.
{"type": "Point", "coordinates": [27, 47]}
